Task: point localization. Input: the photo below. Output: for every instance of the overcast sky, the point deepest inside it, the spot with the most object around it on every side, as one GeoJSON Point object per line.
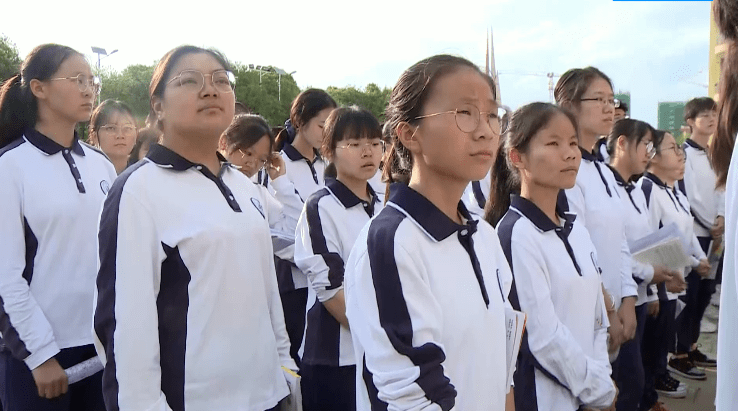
{"type": "Point", "coordinates": [656, 50]}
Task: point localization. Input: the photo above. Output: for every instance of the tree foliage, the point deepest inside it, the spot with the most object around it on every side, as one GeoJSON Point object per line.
{"type": "Point", "coordinates": [260, 91]}
{"type": "Point", "coordinates": [371, 98]}
{"type": "Point", "coordinates": [130, 86]}
{"type": "Point", "coordinates": [10, 61]}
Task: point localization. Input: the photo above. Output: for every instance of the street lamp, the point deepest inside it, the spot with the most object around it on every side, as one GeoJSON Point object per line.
{"type": "Point", "coordinates": [101, 52]}
{"type": "Point", "coordinates": [281, 72]}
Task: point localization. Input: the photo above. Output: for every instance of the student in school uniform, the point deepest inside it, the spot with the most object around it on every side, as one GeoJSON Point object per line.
{"type": "Point", "coordinates": [708, 209]}
{"type": "Point", "coordinates": [113, 130]}
{"type": "Point", "coordinates": [668, 205]}
{"type": "Point", "coordinates": [630, 145]}
{"type": "Point", "coordinates": [563, 364]}
{"type": "Point", "coordinates": [299, 143]}
{"type": "Point", "coordinates": [188, 314]}
{"type": "Point", "coordinates": [588, 94]}
{"type": "Point", "coordinates": [52, 189]}
{"type": "Point", "coordinates": [329, 224]}
{"type": "Point", "coordinates": [475, 195]}
{"type": "Point", "coordinates": [426, 284]}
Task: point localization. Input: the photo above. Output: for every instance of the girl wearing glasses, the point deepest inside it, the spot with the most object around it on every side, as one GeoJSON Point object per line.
{"type": "Point", "coordinates": [113, 130]}
{"type": "Point", "coordinates": [426, 284]}
{"type": "Point", "coordinates": [300, 142]}
{"type": "Point", "coordinates": [588, 94]}
{"type": "Point", "coordinates": [188, 313]}
{"type": "Point", "coordinates": [329, 224]}
{"type": "Point", "coordinates": [668, 205]}
{"type": "Point", "coordinates": [52, 189]}
{"type": "Point", "coordinates": [630, 147]}
{"type": "Point", "coordinates": [563, 362]}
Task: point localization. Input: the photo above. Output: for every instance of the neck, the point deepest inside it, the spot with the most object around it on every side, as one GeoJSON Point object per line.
{"type": "Point", "coordinates": [357, 186]}
{"type": "Point", "coordinates": [57, 129]}
{"type": "Point", "coordinates": [119, 164]}
{"type": "Point", "coordinates": [303, 147]}
{"type": "Point", "coordinates": [700, 139]}
{"type": "Point", "coordinates": [619, 165]}
{"type": "Point", "coordinates": [442, 191]}
{"type": "Point", "coordinates": [662, 176]}
{"type": "Point", "coordinates": [587, 141]}
{"type": "Point", "coordinates": [543, 197]}
{"type": "Point", "coordinates": [196, 149]}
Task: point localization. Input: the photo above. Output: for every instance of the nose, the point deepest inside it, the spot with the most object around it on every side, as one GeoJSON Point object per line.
{"type": "Point", "coordinates": [208, 86]}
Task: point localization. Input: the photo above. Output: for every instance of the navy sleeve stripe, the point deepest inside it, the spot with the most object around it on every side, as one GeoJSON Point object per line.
{"type": "Point", "coordinates": [394, 316]}
{"type": "Point", "coordinates": [317, 240]}
{"type": "Point", "coordinates": [478, 194]}
{"type": "Point", "coordinates": [647, 186]}
{"type": "Point", "coordinates": [285, 282]}
{"type": "Point", "coordinates": [31, 249]}
{"type": "Point", "coordinates": [11, 339]}
{"type": "Point", "coordinates": [371, 389]}
{"type": "Point", "coordinates": [13, 144]}
{"type": "Point", "coordinates": [104, 321]}
{"type": "Point", "coordinates": [172, 305]}
{"type": "Point", "coordinates": [322, 337]}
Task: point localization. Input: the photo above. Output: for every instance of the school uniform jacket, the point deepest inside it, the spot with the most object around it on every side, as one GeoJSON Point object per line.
{"type": "Point", "coordinates": [188, 313]}
{"type": "Point", "coordinates": [475, 195]}
{"type": "Point", "coordinates": [598, 207]}
{"type": "Point", "coordinates": [668, 205]}
{"type": "Point", "coordinates": [281, 223]}
{"type": "Point", "coordinates": [51, 197]}
{"type": "Point", "coordinates": [637, 225]}
{"type": "Point", "coordinates": [706, 201]}
{"type": "Point", "coordinates": [564, 362]}
{"type": "Point", "coordinates": [426, 298]}
{"type": "Point", "coordinates": [327, 230]}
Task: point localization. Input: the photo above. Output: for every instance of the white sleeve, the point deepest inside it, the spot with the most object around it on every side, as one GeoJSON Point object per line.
{"type": "Point", "coordinates": [396, 319]}
{"type": "Point", "coordinates": [628, 286]}
{"type": "Point", "coordinates": [643, 272]}
{"type": "Point", "coordinates": [575, 197]}
{"type": "Point", "coordinates": [126, 318]}
{"type": "Point", "coordinates": [25, 329]}
{"type": "Point", "coordinates": [286, 195]}
{"type": "Point", "coordinates": [317, 250]}
{"type": "Point", "coordinates": [720, 201]}
{"type": "Point", "coordinates": [550, 341]}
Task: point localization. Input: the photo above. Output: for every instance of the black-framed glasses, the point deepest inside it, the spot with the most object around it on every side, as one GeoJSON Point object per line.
{"type": "Point", "coordinates": [84, 82]}
{"type": "Point", "coordinates": [602, 100]}
{"type": "Point", "coordinates": [678, 150]}
{"type": "Point", "coordinates": [223, 80]}
{"type": "Point", "coordinates": [358, 148]}
{"type": "Point", "coordinates": [468, 117]}
{"type": "Point", "coordinates": [126, 130]}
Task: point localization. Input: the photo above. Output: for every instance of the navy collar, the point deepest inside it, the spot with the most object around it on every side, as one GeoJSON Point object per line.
{"type": "Point", "coordinates": [586, 155]}
{"type": "Point", "coordinates": [538, 217]}
{"type": "Point", "coordinates": [295, 155]}
{"type": "Point", "coordinates": [656, 180]}
{"type": "Point", "coordinates": [346, 196]}
{"type": "Point", "coordinates": [432, 220]}
{"type": "Point", "coordinates": [50, 146]}
{"type": "Point", "coordinates": [620, 180]}
{"type": "Point", "coordinates": [692, 144]}
{"type": "Point", "coordinates": [165, 157]}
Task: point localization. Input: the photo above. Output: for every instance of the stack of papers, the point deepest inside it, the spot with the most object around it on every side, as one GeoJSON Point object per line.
{"type": "Point", "coordinates": [514, 327]}
{"type": "Point", "coordinates": [665, 247]}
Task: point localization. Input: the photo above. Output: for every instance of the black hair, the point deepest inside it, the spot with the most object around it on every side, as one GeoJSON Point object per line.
{"type": "Point", "coordinates": [246, 130]}
{"type": "Point", "coordinates": [633, 130]}
{"type": "Point", "coordinates": [18, 105]}
{"type": "Point", "coordinates": [242, 108]}
{"type": "Point", "coordinates": [104, 112]}
{"type": "Point", "coordinates": [698, 105]}
{"type": "Point", "coordinates": [406, 103]}
{"type": "Point", "coordinates": [621, 105]}
{"type": "Point", "coordinates": [146, 136]}
{"type": "Point", "coordinates": [574, 83]}
{"type": "Point", "coordinates": [721, 148]}
{"type": "Point", "coordinates": [305, 107]}
{"type": "Point", "coordinates": [163, 72]}
{"type": "Point", "coordinates": [657, 139]}
{"type": "Point", "coordinates": [345, 123]}
{"type": "Point", "coordinates": [525, 123]}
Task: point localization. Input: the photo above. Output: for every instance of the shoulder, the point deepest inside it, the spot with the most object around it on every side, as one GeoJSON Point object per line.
{"type": "Point", "coordinates": [12, 146]}
{"type": "Point", "coordinates": [383, 229]}
{"type": "Point", "coordinates": [314, 200]}
{"type": "Point", "coordinates": [90, 149]}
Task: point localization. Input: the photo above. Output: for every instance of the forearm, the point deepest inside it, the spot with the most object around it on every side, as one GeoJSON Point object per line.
{"type": "Point", "coordinates": [336, 306]}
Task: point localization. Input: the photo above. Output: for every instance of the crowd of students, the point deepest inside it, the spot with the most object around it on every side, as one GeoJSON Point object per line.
{"type": "Point", "coordinates": [210, 257]}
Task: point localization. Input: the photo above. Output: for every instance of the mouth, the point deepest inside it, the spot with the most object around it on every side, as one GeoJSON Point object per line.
{"type": "Point", "coordinates": [210, 107]}
{"type": "Point", "coordinates": [570, 170]}
{"type": "Point", "coordinates": [87, 105]}
{"type": "Point", "coordinates": [484, 154]}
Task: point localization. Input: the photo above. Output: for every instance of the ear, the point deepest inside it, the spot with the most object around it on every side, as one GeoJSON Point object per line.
{"type": "Point", "coordinates": [38, 89]}
{"type": "Point", "coordinates": [157, 106]}
{"type": "Point", "coordinates": [622, 142]}
{"type": "Point", "coordinates": [515, 158]}
{"type": "Point", "coordinates": [222, 145]}
{"type": "Point", "coordinates": [407, 134]}
{"type": "Point", "coordinates": [690, 122]}
{"type": "Point", "coordinates": [93, 139]}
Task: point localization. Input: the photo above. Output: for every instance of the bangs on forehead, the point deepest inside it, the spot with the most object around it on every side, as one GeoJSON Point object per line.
{"type": "Point", "coordinates": [359, 130]}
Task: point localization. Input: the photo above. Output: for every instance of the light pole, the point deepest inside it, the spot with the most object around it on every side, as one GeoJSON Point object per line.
{"type": "Point", "coordinates": [101, 51]}
{"type": "Point", "coordinates": [280, 72]}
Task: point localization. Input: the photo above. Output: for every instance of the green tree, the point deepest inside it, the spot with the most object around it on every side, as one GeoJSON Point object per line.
{"type": "Point", "coordinates": [371, 98]}
{"type": "Point", "coordinates": [261, 92]}
{"type": "Point", "coordinates": [130, 86]}
{"type": "Point", "coordinates": [10, 61]}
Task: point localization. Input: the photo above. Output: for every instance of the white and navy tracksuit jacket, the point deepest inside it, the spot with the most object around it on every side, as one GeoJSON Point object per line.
{"type": "Point", "coordinates": [597, 204]}
{"type": "Point", "coordinates": [563, 362]}
{"type": "Point", "coordinates": [188, 314]}
{"type": "Point", "coordinates": [637, 225]}
{"type": "Point", "coordinates": [699, 185]}
{"type": "Point", "coordinates": [326, 233]}
{"type": "Point", "coordinates": [278, 204]}
{"type": "Point", "coordinates": [669, 205]}
{"type": "Point", "coordinates": [475, 195]}
{"type": "Point", "coordinates": [426, 301]}
{"type": "Point", "coordinates": [51, 198]}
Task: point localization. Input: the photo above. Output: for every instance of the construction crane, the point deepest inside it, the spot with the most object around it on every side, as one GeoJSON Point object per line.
{"type": "Point", "coordinates": [551, 76]}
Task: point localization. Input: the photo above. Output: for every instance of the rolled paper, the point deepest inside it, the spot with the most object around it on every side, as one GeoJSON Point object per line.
{"type": "Point", "coordinates": [83, 370]}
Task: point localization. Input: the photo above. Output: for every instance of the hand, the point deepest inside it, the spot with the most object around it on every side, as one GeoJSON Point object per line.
{"type": "Point", "coordinates": [653, 308]}
{"type": "Point", "coordinates": [718, 228]}
{"type": "Point", "coordinates": [615, 331]}
{"type": "Point", "coordinates": [275, 166]}
{"type": "Point", "coordinates": [661, 274]}
{"type": "Point", "coordinates": [704, 268]}
{"type": "Point", "coordinates": [614, 400]}
{"type": "Point", "coordinates": [628, 318]}
{"type": "Point", "coordinates": [677, 284]}
{"type": "Point", "coordinates": [51, 380]}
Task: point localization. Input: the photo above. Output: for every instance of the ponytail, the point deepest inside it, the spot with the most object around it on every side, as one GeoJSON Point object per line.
{"type": "Point", "coordinates": [285, 136]}
{"type": "Point", "coordinates": [505, 182]}
{"type": "Point", "coordinates": [18, 110]}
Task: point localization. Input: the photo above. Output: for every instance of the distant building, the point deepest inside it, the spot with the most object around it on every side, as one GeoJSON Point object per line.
{"type": "Point", "coordinates": [718, 48]}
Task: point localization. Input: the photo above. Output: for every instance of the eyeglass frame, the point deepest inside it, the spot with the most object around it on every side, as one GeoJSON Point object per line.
{"type": "Point", "coordinates": [369, 145]}
{"type": "Point", "coordinates": [602, 101]}
{"type": "Point", "coordinates": [229, 74]}
{"type": "Point", "coordinates": [456, 112]}
{"type": "Point", "coordinates": [258, 161]}
{"type": "Point", "coordinates": [87, 84]}
{"type": "Point", "coordinates": [678, 150]}
{"type": "Point", "coordinates": [135, 130]}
